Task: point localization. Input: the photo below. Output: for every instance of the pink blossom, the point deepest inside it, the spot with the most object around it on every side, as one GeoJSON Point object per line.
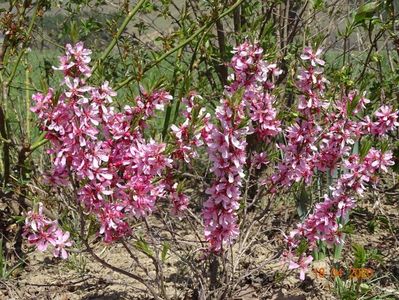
{"type": "Point", "coordinates": [43, 104]}
{"type": "Point", "coordinates": [75, 62]}
{"type": "Point", "coordinates": [387, 120]}
{"type": "Point", "coordinates": [259, 159]}
{"type": "Point", "coordinates": [116, 167]}
{"type": "Point", "coordinates": [42, 232]}
{"type": "Point", "coordinates": [180, 202]}
{"type": "Point", "coordinates": [61, 242]}
{"type": "Point", "coordinates": [148, 103]}
{"type": "Point", "coordinates": [308, 54]}
{"type": "Point", "coordinates": [76, 89]}
{"type": "Point", "coordinates": [322, 224]}
{"type": "Point", "coordinates": [302, 265]}
{"type": "Point", "coordinates": [42, 238]}
{"type": "Point", "coordinates": [106, 92]}
{"type": "Point", "coordinates": [36, 220]}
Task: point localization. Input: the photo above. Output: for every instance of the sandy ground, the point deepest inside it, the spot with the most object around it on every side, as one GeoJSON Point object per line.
{"type": "Point", "coordinates": [82, 278]}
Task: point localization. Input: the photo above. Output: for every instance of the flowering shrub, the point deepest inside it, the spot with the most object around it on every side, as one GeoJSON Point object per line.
{"type": "Point", "coordinates": [102, 152]}
{"type": "Point", "coordinates": [119, 173]}
{"type": "Point", "coordinates": [226, 142]}
{"type": "Point", "coordinates": [322, 139]}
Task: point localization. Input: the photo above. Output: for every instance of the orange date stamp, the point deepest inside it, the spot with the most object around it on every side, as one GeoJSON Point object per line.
{"type": "Point", "coordinates": [353, 273]}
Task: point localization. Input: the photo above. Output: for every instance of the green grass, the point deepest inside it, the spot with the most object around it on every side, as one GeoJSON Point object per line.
{"type": "Point", "coordinates": [30, 77]}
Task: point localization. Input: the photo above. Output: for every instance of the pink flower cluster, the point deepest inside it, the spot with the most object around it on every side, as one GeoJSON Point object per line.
{"type": "Point", "coordinates": [188, 135]}
{"type": "Point", "coordinates": [179, 200]}
{"type": "Point", "coordinates": [188, 138]}
{"type": "Point", "coordinates": [120, 174]}
{"type": "Point", "coordinates": [256, 77]}
{"type": "Point", "coordinates": [75, 61]}
{"type": "Point", "coordinates": [226, 141]}
{"type": "Point", "coordinates": [148, 103]}
{"type": "Point", "coordinates": [113, 166]}
{"type": "Point", "coordinates": [342, 132]}
{"type": "Point", "coordinates": [42, 232]}
{"type": "Point", "coordinates": [226, 148]}
{"type": "Point", "coordinates": [325, 223]}
{"type": "Point", "coordinates": [324, 134]}
{"type": "Point", "coordinates": [259, 159]}
{"type": "Point", "coordinates": [386, 120]}
{"type": "Point", "coordinates": [301, 137]}
{"type": "Point", "coordinates": [322, 140]}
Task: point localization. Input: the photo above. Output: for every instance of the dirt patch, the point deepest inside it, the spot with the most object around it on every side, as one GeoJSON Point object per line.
{"type": "Point", "coordinates": [262, 275]}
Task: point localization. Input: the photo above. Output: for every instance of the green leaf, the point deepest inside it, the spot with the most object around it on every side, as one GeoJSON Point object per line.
{"type": "Point", "coordinates": [143, 246]}
{"type": "Point", "coordinates": [365, 13]}
{"type": "Point", "coordinates": [320, 252]}
{"type": "Point", "coordinates": [365, 287]}
{"type": "Point", "coordinates": [164, 253]}
{"type": "Point", "coordinates": [237, 96]}
{"type": "Point", "coordinates": [317, 4]}
{"type": "Point", "coordinates": [365, 146]}
{"type": "Point", "coordinates": [339, 285]}
{"type": "Point", "coordinates": [384, 145]}
{"type": "Point", "coordinates": [18, 219]}
{"type": "Point", "coordinates": [373, 254]}
{"type": "Point", "coordinates": [348, 228]}
{"type": "Point", "coordinates": [303, 202]}
{"type": "Point", "coordinates": [360, 256]}
{"type": "Point", "coordinates": [368, 8]}
{"type": "Point", "coordinates": [371, 226]}
{"type": "Point", "coordinates": [303, 246]}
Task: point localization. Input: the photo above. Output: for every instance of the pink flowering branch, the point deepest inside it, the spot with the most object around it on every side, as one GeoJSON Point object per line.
{"type": "Point", "coordinates": [310, 148]}
{"type": "Point", "coordinates": [42, 232]}
{"type": "Point", "coordinates": [324, 223]}
{"type": "Point", "coordinates": [116, 167]}
{"type": "Point", "coordinates": [250, 89]}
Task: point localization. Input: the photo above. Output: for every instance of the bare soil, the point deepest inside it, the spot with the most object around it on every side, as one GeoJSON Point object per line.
{"type": "Point", "coordinates": [377, 227]}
